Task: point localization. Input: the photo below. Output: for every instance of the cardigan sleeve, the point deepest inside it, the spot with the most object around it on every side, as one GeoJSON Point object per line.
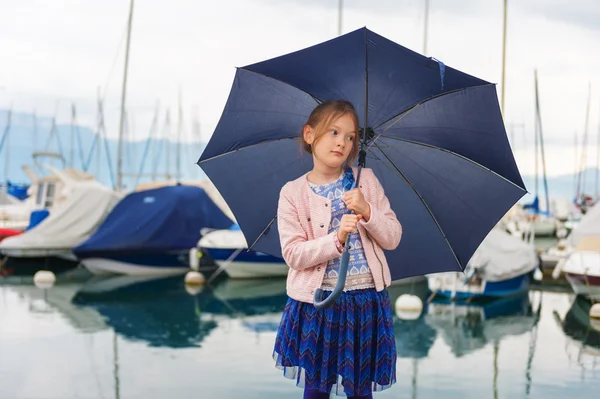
{"type": "Point", "coordinates": [298, 251]}
{"type": "Point", "coordinates": [383, 225]}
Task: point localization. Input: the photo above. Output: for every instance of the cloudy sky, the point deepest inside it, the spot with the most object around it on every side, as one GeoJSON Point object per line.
{"type": "Point", "coordinates": [59, 52]}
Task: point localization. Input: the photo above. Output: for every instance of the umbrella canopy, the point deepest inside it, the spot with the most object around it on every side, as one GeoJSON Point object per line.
{"type": "Point", "coordinates": [437, 144]}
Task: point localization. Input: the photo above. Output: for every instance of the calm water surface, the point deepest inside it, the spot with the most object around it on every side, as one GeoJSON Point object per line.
{"type": "Point", "coordinates": [124, 337]}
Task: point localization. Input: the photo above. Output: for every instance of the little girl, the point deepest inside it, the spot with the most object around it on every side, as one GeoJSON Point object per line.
{"type": "Point", "coordinates": [348, 348]}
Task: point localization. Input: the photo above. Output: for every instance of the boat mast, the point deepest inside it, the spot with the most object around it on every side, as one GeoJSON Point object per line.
{"type": "Point", "coordinates": [6, 141]}
{"type": "Point", "coordinates": [123, 96]}
{"type": "Point", "coordinates": [340, 5]}
{"type": "Point", "coordinates": [541, 141]}
{"type": "Point", "coordinates": [425, 27]}
{"type": "Point", "coordinates": [583, 161]}
{"type": "Point", "coordinates": [503, 58]}
{"type": "Point", "coordinates": [179, 128]}
{"type": "Point", "coordinates": [597, 162]}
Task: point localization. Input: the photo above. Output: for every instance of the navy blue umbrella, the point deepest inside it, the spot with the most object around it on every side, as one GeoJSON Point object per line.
{"type": "Point", "coordinates": [436, 141]}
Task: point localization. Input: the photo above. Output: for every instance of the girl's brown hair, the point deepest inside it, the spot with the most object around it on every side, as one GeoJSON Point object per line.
{"type": "Point", "coordinates": [323, 116]}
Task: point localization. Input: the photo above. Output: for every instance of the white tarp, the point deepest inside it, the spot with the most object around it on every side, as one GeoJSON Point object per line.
{"type": "Point", "coordinates": [69, 224]}
{"type": "Point", "coordinates": [588, 226]}
{"type": "Point", "coordinates": [7, 199]}
{"type": "Point", "coordinates": [502, 256]}
{"type": "Point", "coordinates": [223, 239]}
{"type": "Point", "coordinates": [562, 208]}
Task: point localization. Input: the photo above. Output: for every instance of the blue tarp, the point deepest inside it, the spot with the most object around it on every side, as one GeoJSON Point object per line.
{"type": "Point", "coordinates": [157, 220]}
{"type": "Point", "coordinates": [534, 207]}
{"type": "Point", "coordinates": [37, 217]}
{"type": "Point", "coordinates": [17, 190]}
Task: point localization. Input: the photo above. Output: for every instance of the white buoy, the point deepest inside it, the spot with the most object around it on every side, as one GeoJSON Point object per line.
{"type": "Point", "coordinates": [194, 278]}
{"type": "Point", "coordinates": [408, 307]}
{"type": "Point", "coordinates": [44, 279]}
{"type": "Point", "coordinates": [595, 311]}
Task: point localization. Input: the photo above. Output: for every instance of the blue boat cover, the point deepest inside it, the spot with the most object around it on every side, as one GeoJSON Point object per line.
{"type": "Point", "coordinates": [18, 190]}
{"type": "Point", "coordinates": [153, 221]}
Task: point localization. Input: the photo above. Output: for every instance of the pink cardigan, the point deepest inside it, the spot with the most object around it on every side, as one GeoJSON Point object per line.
{"type": "Point", "coordinates": [303, 220]}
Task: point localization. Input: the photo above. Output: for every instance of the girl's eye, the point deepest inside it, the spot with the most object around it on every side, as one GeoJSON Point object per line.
{"type": "Point", "coordinates": [334, 132]}
{"type": "Point", "coordinates": [350, 138]}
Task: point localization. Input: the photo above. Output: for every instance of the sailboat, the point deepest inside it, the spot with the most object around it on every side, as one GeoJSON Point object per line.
{"type": "Point", "coordinates": [524, 220]}
{"type": "Point", "coordinates": [581, 219]}
{"type": "Point", "coordinates": [543, 222]}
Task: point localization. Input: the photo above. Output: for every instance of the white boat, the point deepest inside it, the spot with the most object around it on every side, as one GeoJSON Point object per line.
{"type": "Point", "coordinates": [588, 226]}
{"type": "Point", "coordinates": [43, 194]}
{"type": "Point", "coordinates": [544, 226]}
{"type": "Point", "coordinates": [228, 248]}
{"type": "Point", "coordinates": [523, 225]}
{"type": "Point", "coordinates": [563, 209]}
{"type": "Point", "coordinates": [69, 224]}
{"type": "Point", "coordinates": [550, 257]}
{"type": "Point", "coordinates": [501, 266]}
{"type": "Point", "coordinates": [582, 267]}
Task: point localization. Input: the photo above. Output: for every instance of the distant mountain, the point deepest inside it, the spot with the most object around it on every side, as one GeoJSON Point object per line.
{"type": "Point", "coordinates": [23, 141]}
{"type": "Point", "coordinates": [22, 144]}
{"type": "Point", "coordinates": [562, 186]}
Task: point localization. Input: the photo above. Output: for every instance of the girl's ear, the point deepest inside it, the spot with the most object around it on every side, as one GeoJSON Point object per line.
{"type": "Point", "coordinates": [309, 134]}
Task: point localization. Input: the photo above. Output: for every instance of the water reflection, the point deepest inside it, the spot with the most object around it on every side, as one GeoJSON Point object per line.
{"type": "Point", "coordinates": [57, 299]}
{"type": "Point", "coordinates": [258, 304]}
{"type": "Point", "coordinates": [467, 327]}
{"type": "Point", "coordinates": [158, 311]}
{"type": "Point", "coordinates": [415, 337]}
{"type": "Point", "coordinates": [164, 312]}
{"type": "Point", "coordinates": [582, 334]}
{"type": "Point", "coordinates": [234, 321]}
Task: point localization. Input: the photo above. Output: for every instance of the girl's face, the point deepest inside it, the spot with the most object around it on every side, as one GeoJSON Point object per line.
{"type": "Point", "coordinates": [333, 147]}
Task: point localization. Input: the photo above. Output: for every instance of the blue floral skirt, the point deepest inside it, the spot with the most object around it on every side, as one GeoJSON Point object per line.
{"type": "Point", "coordinates": [348, 348]}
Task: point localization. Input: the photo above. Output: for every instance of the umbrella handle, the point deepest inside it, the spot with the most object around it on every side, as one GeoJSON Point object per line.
{"type": "Point", "coordinates": [341, 282]}
{"type": "Point", "coordinates": [339, 287]}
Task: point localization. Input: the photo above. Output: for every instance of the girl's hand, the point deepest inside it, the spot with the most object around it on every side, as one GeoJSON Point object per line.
{"type": "Point", "coordinates": [355, 201]}
{"type": "Point", "coordinates": [347, 226]}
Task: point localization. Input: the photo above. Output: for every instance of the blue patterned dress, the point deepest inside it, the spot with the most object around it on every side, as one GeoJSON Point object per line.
{"type": "Point", "coordinates": [348, 348]}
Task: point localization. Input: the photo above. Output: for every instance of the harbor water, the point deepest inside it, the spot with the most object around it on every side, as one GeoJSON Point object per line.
{"type": "Point", "coordinates": [127, 337]}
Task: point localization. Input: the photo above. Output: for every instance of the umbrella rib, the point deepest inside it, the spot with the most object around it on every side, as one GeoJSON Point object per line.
{"type": "Point", "coordinates": [262, 233]}
{"type": "Point", "coordinates": [317, 99]}
{"type": "Point", "coordinates": [423, 202]}
{"type": "Point", "coordinates": [245, 147]}
{"type": "Point", "coordinates": [456, 155]}
{"type": "Point", "coordinates": [402, 113]}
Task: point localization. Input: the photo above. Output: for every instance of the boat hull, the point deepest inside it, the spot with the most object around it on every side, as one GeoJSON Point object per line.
{"type": "Point", "coordinates": [452, 285]}
{"type": "Point", "coordinates": [160, 264]}
{"type": "Point", "coordinates": [248, 264]}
